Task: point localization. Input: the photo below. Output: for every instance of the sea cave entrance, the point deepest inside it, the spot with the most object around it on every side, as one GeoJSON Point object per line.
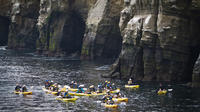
{"type": "Point", "coordinates": [4, 30]}
{"type": "Point", "coordinates": [73, 33]}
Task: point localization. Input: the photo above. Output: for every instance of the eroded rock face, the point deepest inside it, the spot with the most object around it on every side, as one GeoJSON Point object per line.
{"type": "Point", "coordinates": [102, 36]}
{"type": "Point", "coordinates": [62, 25]}
{"type": "Point", "coordinates": [158, 40]}
{"type": "Point", "coordinates": [23, 18]}
{"type": "Point", "coordinates": [80, 26]}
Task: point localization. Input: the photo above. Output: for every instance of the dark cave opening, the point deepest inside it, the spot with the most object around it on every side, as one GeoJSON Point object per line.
{"type": "Point", "coordinates": [113, 44]}
{"type": "Point", "coordinates": [195, 50]}
{"type": "Point", "coordinates": [194, 47]}
{"type": "Point", "coordinates": [73, 33]}
{"type": "Point", "coordinates": [4, 30]}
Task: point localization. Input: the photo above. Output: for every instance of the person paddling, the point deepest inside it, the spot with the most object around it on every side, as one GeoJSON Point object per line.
{"type": "Point", "coordinates": [80, 89]}
{"type": "Point", "coordinates": [100, 90]}
{"type": "Point", "coordinates": [113, 86]}
{"type": "Point", "coordinates": [24, 89]}
{"type": "Point", "coordinates": [47, 84]}
{"type": "Point", "coordinates": [17, 88]}
{"type": "Point", "coordinates": [130, 82]}
{"type": "Point", "coordinates": [161, 87]}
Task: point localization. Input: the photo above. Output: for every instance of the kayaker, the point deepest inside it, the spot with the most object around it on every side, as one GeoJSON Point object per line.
{"type": "Point", "coordinates": [80, 89]}
{"type": "Point", "coordinates": [75, 85]}
{"type": "Point", "coordinates": [108, 86]}
{"type": "Point", "coordinates": [105, 83]}
{"type": "Point", "coordinates": [71, 84]}
{"type": "Point", "coordinates": [55, 87]}
{"type": "Point", "coordinates": [51, 83]}
{"type": "Point", "coordinates": [130, 82]}
{"type": "Point", "coordinates": [47, 84]}
{"type": "Point", "coordinates": [92, 89]}
{"type": "Point", "coordinates": [17, 88]}
{"type": "Point", "coordinates": [113, 86]}
{"type": "Point", "coordinates": [99, 88]}
{"type": "Point", "coordinates": [67, 95]}
{"type": "Point", "coordinates": [24, 89]}
{"type": "Point", "coordinates": [161, 88]}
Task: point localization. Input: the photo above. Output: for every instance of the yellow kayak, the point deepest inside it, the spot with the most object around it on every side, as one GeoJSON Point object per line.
{"type": "Point", "coordinates": [110, 106]}
{"type": "Point", "coordinates": [115, 91]}
{"type": "Point", "coordinates": [24, 93]}
{"type": "Point", "coordinates": [162, 92]}
{"type": "Point", "coordinates": [80, 94]}
{"type": "Point", "coordinates": [73, 89]}
{"type": "Point", "coordinates": [67, 99]}
{"type": "Point", "coordinates": [120, 99]}
{"type": "Point", "coordinates": [132, 86]}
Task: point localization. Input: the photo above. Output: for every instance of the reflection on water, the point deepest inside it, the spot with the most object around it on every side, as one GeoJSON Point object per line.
{"type": "Point", "coordinates": [27, 68]}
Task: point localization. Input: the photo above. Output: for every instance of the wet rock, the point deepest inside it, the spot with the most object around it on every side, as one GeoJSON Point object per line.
{"type": "Point", "coordinates": [102, 37]}
{"type": "Point", "coordinates": [158, 40]}
{"type": "Point", "coordinates": [62, 24]}
{"type": "Point", "coordinates": [23, 31]}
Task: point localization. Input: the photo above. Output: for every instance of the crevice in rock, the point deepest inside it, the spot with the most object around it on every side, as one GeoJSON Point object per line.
{"type": "Point", "coordinates": [73, 33]}
{"type": "Point", "coordinates": [4, 30]}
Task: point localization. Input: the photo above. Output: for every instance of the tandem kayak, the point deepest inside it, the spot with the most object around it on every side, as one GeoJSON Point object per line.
{"type": "Point", "coordinates": [162, 92]}
{"type": "Point", "coordinates": [132, 86]}
{"type": "Point", "coordinates": [67, 99]}
{"type": "Point", "coordinates": [120, 99]}
{"type": "Point", "coordinates": [24, 93]}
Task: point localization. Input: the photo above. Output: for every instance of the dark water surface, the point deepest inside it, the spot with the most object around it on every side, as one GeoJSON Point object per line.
{"type": "Point", "coordinates": [32, 70]}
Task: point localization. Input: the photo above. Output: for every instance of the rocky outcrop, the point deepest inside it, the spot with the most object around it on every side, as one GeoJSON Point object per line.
{"type": "Point", "coordinates": [160, 40]}
{"type": "Point", "coordinates": [62, 25]}
{"type": "Point", "coordinates": [80, 26]}
{"type": "Point", "coordinates": [102, 36]}
{"type": "Point", "coordinates": [23, 31]}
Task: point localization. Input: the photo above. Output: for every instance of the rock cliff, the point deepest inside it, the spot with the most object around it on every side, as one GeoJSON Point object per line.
{"type": "Point", "coordinates": [151, 39]}
{"type": "Point", "coordinates": [23, 31]}
{"type": "Point", "coordinates": [160, 40]}
{"type": "Point", "coordinates": [102, 37]}
{"type": "Point", "coordinates": [85, 27]}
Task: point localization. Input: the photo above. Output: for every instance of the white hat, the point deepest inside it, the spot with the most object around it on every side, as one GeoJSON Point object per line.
{"type": "Point", "coordinates": [81, 85]}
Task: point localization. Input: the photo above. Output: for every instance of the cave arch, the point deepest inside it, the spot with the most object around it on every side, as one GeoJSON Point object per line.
{"type": "Point", "coordinates": [4, 30]}
{"type": "Point", "coordinates": [73, 33]}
